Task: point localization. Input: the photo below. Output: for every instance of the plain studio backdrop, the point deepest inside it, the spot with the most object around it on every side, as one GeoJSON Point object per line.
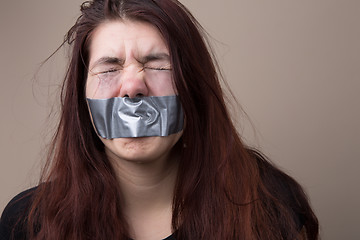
{"type": "Point", "coordinates": [294, 66]}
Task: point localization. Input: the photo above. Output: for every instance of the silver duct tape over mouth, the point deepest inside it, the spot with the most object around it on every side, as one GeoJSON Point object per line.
{"type": "Point", "coordinates": [136, 117]}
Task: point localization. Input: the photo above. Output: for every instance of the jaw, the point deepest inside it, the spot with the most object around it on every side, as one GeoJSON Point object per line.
{"type": "Point", "coordinates": [140, 150]}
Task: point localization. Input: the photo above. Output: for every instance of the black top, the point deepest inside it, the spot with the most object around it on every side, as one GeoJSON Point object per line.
{"type": "Point", "coordinates": [14, 217]}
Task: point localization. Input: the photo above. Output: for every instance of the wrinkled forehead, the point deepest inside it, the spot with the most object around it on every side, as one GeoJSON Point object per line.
{"type": "Point", "coordinates": [125, 39]}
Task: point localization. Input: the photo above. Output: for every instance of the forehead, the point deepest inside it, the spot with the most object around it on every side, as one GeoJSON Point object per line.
{"type": "Point", "coordinates": [124, 38]}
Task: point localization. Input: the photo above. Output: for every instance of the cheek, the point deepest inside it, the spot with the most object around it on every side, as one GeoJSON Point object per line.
{"type": "Point", "coordinates": [160, 84]}
{"type": "Point", "coordinates": [89, 89]}
{"type": "Point", "coordinates": [102, 88]}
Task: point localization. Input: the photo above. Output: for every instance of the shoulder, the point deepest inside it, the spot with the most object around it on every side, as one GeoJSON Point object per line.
{"type": "Point", "coordinates": [276, 181]}
{"type": "Point", "coordinates": [284, 194]}
{"type": "Point", "coordinates": [14, 216]}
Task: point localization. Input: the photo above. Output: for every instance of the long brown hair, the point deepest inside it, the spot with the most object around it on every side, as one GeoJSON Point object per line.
{"type": "Point", "coordinates": [224, 190]}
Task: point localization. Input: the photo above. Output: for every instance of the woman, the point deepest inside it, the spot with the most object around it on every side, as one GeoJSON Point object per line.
{"type": "Point", "coordinates": [195, 181]}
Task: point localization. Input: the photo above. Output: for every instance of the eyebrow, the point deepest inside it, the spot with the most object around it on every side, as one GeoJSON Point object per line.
{"type": "Point", "coordinates": [108, 60]}
{"type": "Point", "coordinates": [154, 57]}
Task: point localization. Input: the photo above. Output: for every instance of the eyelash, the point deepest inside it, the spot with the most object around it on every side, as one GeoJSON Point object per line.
{"type": "Point", "coordinates": [112, 70]}
{"type": "Point", "coordinates": [159, 69]}
{"type": "Point", "coordinates": [109, 71]}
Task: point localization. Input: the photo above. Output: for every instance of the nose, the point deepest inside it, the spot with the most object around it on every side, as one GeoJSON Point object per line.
{"type": "Point", "coordinates": [133, 84]}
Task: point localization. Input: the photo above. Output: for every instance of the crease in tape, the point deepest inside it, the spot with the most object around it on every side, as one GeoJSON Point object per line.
{"type": "Point", "coordinates": [136, 117]}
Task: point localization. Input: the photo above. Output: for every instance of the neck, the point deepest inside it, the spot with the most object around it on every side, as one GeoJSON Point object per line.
{"type": "Point", "coordinates": [146, 184]}
{"type": "Point", "coordinates": [147, 194]}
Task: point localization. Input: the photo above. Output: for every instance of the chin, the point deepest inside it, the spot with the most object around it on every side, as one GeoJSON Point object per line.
{"type": "Point", "coordinates": [143, 149]}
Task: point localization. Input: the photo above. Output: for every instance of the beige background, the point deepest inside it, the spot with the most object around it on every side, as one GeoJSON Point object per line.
{"type": "Point", "coordinates": [293, 65]}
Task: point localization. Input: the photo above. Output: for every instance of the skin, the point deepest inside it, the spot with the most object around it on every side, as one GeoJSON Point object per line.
{"type": "Point", "coordinates": [129, 59]}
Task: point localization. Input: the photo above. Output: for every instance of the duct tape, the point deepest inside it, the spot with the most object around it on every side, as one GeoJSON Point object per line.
{"type": "Point", "coordinates": [136, 117]}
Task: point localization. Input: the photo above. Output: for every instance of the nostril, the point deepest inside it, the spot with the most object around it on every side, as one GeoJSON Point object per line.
{"type": "Point", "coordinates": [132, 96]}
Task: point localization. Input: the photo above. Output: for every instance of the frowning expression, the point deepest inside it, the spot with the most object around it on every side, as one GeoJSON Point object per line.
{"type": "Point", "coordinates": [130, 59]}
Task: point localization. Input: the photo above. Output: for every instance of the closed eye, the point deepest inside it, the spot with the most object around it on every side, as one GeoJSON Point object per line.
{"type": "Point", "coordinates": [112, 70]}
{"type": "Point", "coordinates": [158, 68]}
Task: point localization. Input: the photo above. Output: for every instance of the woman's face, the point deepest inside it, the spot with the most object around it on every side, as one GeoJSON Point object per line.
{"type": "Point", "coordinates": [130, 59]}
